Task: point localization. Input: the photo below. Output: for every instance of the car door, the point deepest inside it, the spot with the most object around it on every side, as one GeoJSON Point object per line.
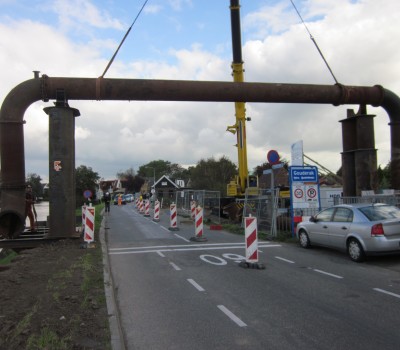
{"type": "Point", "coordinates": [340, 227]}
{"type": "Point", "coordinates": [319, 233]}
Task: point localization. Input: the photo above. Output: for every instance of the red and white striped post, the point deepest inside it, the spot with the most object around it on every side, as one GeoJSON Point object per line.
{"type": "Point", "coordinates": [141, 206]}
{"type": "Point", "coordinates": [251, 244]}
{"type": "Point", "coordinates": [147, 208]}
{"type": "Point", "coordinates": [193, 209]}
{"type": "Point", "coordinates": [89, 225]}
{"type": "Point", "coordinates": [83, 217]}
{"type": "Point", "coordinates": [173, 218]}
{"type": "Point", "coordinates": [137, 203]}
{"type": "Point", "coordinates": [198, 225]}
{"type": "Point", "coordinates": [156, 211]}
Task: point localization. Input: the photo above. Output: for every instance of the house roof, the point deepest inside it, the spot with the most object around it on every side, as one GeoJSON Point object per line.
{"type": "Point", "coordinates": [165, 181]}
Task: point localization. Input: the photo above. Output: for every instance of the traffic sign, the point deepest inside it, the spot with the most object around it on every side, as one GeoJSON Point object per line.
{"type": "Point", "coordinates": [87, 194]}
{"type": "Point", "coordinates": [273, 157]}
{"type": "Point", "coordinates": [298, 192]}
{"type": "Point", "coordinates": [303, 174]}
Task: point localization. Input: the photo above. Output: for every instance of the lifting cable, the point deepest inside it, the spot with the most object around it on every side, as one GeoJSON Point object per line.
{"type": "Point", "coordinates": [315, 43]}
{"type": "Point", "coordinates": [127, 33]}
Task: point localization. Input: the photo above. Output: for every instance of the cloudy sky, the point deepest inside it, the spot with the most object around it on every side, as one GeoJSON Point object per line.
{"type": "Point", "coordinates": [191, 40]}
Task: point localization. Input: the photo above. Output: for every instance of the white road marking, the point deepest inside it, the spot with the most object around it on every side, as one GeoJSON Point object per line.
{"type": "Point", "coordinates": [186, 240]}
{"type": "Point", "coordinates": [164, 228]}
{"type": "Point", "coordinates": [176, 267]}
{"type": "Point", "coordinates": [160, 254]}
{"type": "Point", "coordinates": [177, 245]}
{"type": "Point", "coordinates": [286, 260]}
{"type": "Point", "coordinates": [196, 285]}
{"type": "Point", "coordinates": [218, 261]}
{"type": "Point", "coordinates": [232, 316]}
{"type": "Point", "coordinates": [387, 292]}
{"type": "Point", "coordinates": [328, 274]}
{"type": "Point", "coordinates": [123, 251]}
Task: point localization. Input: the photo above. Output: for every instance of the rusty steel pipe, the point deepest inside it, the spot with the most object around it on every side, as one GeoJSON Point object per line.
{"type": "Point", "coordinates": [46, 88]}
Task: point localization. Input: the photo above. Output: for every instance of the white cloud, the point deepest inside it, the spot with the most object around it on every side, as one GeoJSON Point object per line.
{"type": "Point", "coordinates": [74, 12]}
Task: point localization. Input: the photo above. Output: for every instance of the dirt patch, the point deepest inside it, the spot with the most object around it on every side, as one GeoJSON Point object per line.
{"type": "Point", "coordinates": [52, 297]}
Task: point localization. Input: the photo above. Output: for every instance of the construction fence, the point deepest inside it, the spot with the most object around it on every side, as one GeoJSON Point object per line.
{"type": "Point", "coordinates": [210, 201]}
{"type": "Point", "coordinates": [274, 214]}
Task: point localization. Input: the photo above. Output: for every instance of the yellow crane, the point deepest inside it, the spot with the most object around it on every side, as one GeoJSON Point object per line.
{"type": "Point", "coordinates": [237, 186]}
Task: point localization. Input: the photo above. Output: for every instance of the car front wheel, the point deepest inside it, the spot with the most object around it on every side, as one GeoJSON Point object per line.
{"type": "Point", "coordinates": [355, 250]}
{"type": "Point", "coordinates": [303, 239]}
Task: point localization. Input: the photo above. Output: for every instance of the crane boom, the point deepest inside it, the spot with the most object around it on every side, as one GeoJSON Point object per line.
{"type": "Point", "coordinates": [237, 187]}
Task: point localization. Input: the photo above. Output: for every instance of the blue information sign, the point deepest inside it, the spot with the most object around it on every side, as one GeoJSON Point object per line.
{"type": "Point", "coordinates": [303, 174]}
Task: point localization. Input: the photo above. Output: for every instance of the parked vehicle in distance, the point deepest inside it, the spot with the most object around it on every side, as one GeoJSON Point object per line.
{"type": "Point", "coordinates": [123, 201]}
{"type": "Point", "coordinates": [129, 198]}
{"type": "Point", "coordinates": [358, 229]}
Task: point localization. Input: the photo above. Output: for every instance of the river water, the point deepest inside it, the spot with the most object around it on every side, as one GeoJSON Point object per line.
{"type": "Point", "coordinates": [42, 210]}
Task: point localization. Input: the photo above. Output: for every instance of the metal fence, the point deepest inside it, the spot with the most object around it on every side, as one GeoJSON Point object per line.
{"type": "Point", "coordinates": [275, 216]}
{"type": "Point", "coordinates": [377, 198]}
{"type": "Point", "coordinates": [273, 212]}
{"type": "Point", "coordinates": [210, 201]}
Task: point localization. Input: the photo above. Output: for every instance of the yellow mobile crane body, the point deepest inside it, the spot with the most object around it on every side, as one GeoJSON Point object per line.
{"type": "Point", "coordinates": [237, 186]}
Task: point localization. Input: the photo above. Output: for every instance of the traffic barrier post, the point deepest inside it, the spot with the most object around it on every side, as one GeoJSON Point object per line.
{"type": "Point", "coordinates": [199, 225]}
{"type": "Point", "coordinates": [83, 218]}
{"type": "Point", "coordinates": [193, 209]}
{"type": "Point", "coordinates": [89, 225]}
{"type": "Point", "coordinates": [147, 208]}
{"type": "Point", "coordinates": [141, 207]}
{"type": "Point", "coordinates": [251, 240]}
{"type": "Point", "coordinates": [156, 211]}
{"type": "Point", "coordinates": [173, 218]}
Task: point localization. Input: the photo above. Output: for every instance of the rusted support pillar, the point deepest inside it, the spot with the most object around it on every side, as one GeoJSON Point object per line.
{"type": "Point", "coordinates": [62, 170]}
{"type": "Point", "coordinates": [359, 158]}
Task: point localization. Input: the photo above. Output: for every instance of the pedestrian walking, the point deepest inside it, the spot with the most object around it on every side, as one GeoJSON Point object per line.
{"type": "Point", "coordinates": [107, 201]}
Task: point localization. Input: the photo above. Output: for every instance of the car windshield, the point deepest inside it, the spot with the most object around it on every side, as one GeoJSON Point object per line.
{"type": "Point", "coordinates": [381, 212]}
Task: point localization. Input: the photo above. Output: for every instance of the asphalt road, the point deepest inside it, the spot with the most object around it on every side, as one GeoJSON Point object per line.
{"type": "Point", "coordinates": [173, 293]}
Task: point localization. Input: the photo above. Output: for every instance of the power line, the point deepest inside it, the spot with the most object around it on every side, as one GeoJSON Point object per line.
{"type": "Point", "coordinates": [315, 43]}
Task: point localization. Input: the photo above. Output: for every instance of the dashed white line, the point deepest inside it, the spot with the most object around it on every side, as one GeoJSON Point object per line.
{"type": "Point", "coordinates": [196, 285]}
{"type": "Point", "coordinates": [232, 316]}
{"type": "Point", "coordinates": [160, 254]}
{"type": "Point", "coordinates": [328, 274]}
{"type": "Point", "coordinates": [286, 260]}
{"type": "Point", "coordinates": [176, 267]}
{"type": "Point", "coordinates": [387, 292]}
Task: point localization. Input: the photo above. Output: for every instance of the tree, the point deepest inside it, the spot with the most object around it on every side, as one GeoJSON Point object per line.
{"type": "Point", "coordinates": [258, 170]}
{"type": "Point", "coordinates": [212, 175]}
{"type": "Point", "coordinates": [385, 176]}
{"type": "Point", "coordinates": [129, 180]}
{"type": "Point", "coordinates": [86, 179]}
{"type": "Point", "coordinates": [158, 168]}
{"type": "Point", "coordinates": [36, 182]}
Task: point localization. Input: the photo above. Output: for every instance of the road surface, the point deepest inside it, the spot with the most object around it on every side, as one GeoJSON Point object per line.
{"type": "Point", "coordinates": [173, 293]}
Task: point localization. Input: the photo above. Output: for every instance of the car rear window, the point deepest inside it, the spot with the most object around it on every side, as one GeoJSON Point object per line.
{"type": "Point", "coordinates": [381, 212]}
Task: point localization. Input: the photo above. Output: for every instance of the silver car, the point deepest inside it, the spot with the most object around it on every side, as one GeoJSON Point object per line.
{"type": "Point", "coordinates": [359, 229]}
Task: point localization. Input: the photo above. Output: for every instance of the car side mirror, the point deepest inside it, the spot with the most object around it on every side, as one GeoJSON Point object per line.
{"type": "Point", "coordinates": [313, 219]}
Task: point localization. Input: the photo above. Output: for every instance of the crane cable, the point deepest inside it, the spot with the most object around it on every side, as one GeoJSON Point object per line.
{"type": "Point", "coordinates": [127, 33]}
{"type": "Point", "coordinates": [315, 43]}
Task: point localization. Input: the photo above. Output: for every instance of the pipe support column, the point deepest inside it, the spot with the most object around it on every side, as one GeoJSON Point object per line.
{"type": "Point", "coordinates": [62, 197]}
